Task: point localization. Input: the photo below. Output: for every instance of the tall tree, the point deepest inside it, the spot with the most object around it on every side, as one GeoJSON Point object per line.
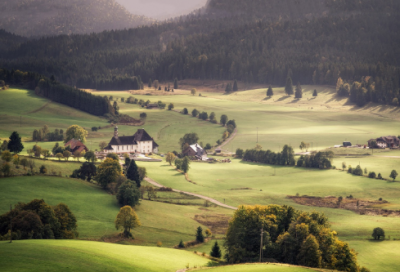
{"type": "Point", "coordinates": [199, 235]}
{"type": "Point", "coordinates": [176, 86]}
{"type": "Point", "coordinates": [309, 254]}
{"type": "Point", "coordinates": [215, 251]}
{"type": "Point", "coordinates": [223, 119]}
{"type": "Point", "coordinates": [185, 164]}
{"type": "Point", "coordinates": [315, 93]}
{"type": "Point", "coordinates": [170, 158]}
{"type": "Point", "coordinates": [299, 91]}
{"type": "Point", "coordinates": [235, 86]}
{"type": "Point", "coordinates": [133, 173]}
{"type": "Point", "coordinates": [128, 194]}
{"type": "Point", "coordinates": [108, 172]}
{"type": "Point", "coordinates": [393, 174]}
{"type": "Point", "coordinates": [270, 92]}
{"type": "Point", "coordinates": [15, 144]}
{"type": "Point", "coordinates": [127, 219]}
{"type": "Point", "coordinates": [289, 86]}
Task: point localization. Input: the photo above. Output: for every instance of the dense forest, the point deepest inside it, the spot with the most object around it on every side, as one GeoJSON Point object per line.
{"type": "Point", "coordinates": [347, 39]}
{"type": "Point", "coordinates": [55, 17]}
{"type": "Point", "coordinates": [58, 92]}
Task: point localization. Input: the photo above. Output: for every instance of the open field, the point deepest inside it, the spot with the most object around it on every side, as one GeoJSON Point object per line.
{"type": "Point", "coordinates": [96, 210]}
{"type": "Point", "coordinates": [261, 268]}
{"type": "Point", "coordinates": [72, 255]}
{"type": "Point", "coordinates": [323, 122]}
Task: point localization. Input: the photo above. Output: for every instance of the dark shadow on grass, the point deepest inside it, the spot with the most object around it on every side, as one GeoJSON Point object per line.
{"type": "Point", "coordinates": [294, 101]}
{"type": "Point", "coordinates": [336, 98]}
{"type": "Point", "coordinates": [283, 98]}
{"type": "Point", "coordinates": [267, 98]}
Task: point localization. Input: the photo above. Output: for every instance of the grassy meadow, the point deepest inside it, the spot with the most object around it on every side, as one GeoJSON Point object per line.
{"type": "Point", "coordinates": [73, 255]}
{"type": "Point", "coordinates": [96, 210]}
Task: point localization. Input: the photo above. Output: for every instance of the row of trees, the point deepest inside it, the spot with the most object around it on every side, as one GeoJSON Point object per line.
{"type": "Point", "coordinates": [44, 134]}
{"type": "Point", "coordinates": [285, 157]}
{"type": "Point", "coordinates": [288, 236]}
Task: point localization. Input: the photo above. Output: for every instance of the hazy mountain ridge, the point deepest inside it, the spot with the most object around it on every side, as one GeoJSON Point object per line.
{"type": "Point", "coordinates": [56, 17]}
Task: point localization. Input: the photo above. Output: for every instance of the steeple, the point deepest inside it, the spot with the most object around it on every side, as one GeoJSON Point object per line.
{"type": "Point", "coordinates": [116, 132]}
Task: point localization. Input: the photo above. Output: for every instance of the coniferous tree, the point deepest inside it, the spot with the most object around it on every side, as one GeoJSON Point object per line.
{"type": "Point", "coordinates": [176, 86]}
{"type": "Point", "coordinates": [199, 235]}
{"type": "Point", "coordinates": [299, 91]}
{"type": "Point", "coordinates": [133, 173]}
{"type": "Point", "coordinates": [215, 251]}
{"type": "Point", "coordinates": [270, 92]}
{"type": "Point", "coordinates": [315, 94]}
{"type": "Point", "coordinates": [15, 144]}
{"type": "Point", "coordinates": [235, 86]}
{"type": "Point", "coordinates": [289, 86]}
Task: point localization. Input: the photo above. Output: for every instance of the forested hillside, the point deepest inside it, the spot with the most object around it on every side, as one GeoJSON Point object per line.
{"type": "Point", "coordinates": [55, 17]}
{"type": "Point", "coordinates": [351, 40]}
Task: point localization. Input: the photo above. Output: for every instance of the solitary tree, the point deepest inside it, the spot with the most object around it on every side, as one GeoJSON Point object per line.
{"type": "Point", "coordinates": [193, 91]}
{"type": "Point", "coordinates": [315, 94]}
{"type": "Point", "coordinates": [170, 158]}
{"type": "Point", "coordinates": [75, 132]}
{"type": "Point", "coordinates": [270, 92]}
{"type": "Point", "coordinates": [289, 86]}
{"type": "Point", "coordinates": [102, 145]}
{"type": "Point", "coordinates": [235, 86]}
{"type": "Point", "coordinates": [171, 106]}
{"type": "Point", "coordinates": [393, 174]}
{"type": "Point", "coordinates": [378, 233]}
{"type": "Point", "coordinates": [215, 251]}
{"type": "Point", "coordinates": [299, 91]}
{"type": "Point", "coordinates": [133, 173]}
{"type": "Point", "coordinates": [127, 219]}
{"type": "Point", "coordinates": [199, 235]}
{"type": "Point", "coordinates": [185, 111]}
{"type": "Point", "coordinates": [176, 84]}
{"type": "Point", "coordinates": [185, 164]}
{"type": "Point", "coordinates": [224, 119]}
{"type": "Point", "coordinates": [15, 145]}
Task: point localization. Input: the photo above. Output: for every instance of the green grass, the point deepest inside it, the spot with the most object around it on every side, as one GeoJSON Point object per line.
{"type": "Point", "coordinates": [96, 210]}
{"type": "Point", "coordinates": [72, 255]}
{"type": "Point", "coordinates": [260, 268]}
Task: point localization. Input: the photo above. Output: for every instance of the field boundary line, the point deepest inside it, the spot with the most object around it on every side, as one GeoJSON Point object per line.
{"type": "Point", "coordinates": [212, 200]}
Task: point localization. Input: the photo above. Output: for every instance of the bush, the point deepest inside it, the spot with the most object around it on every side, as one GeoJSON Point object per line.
{"type": "Point", "coordinates": [378, 233]}
{"type": "Point", "coordinates": [159, 244]}
{"type": "Point", "coordinates": [208, 146]}
{"type": "Point", "coordinates": [239, 153]}
{"type": "Point", "coordinates": [379, 176]}
{"type": "Point", "coordinates": [185, 111]}
{"type": "Point", "coordinates": [95, 128]}
{"type": "Point", "coordinates": [358, 171]}
{"type": "Point", "coordinates": [181, 244]}
{"type": "Point", "coordinates": [372, 175]}
{"type": "Point", "coordinates": [43, 169]}
{"type": "Point", "coordinates": [128, 194]}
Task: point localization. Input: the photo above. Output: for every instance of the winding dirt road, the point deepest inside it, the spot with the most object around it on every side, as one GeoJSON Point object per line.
{"type": "Point", "coordinates": [212, 200]}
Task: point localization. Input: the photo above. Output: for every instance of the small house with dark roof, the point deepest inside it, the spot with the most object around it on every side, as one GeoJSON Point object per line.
{"type": "Point", "coordinates": [385, 142]}
{"type": "Point", "coordinates": [76, 146]}
{"type": "Point", "coordinates": [197, 151]}
{"type": "Point", "coordinates": [140, 142]}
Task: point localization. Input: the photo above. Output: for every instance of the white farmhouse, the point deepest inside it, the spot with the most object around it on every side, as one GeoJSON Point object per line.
{"type": "Point", "coordinates": [141, 142]}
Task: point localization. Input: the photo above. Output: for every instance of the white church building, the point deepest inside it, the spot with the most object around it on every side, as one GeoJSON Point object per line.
{"type": "Point", "coordinates": [140, 142]}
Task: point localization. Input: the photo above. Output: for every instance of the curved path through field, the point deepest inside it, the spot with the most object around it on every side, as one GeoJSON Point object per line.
{"type": "Point", "coordinates": [216, 202]}
{"type": "Point", "coordinates": [228, 140]}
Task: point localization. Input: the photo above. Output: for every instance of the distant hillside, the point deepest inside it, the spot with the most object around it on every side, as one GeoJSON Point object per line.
{"type": "Point", "coordinates": [54, 17]}
{"type": "Point", "coordinates": [269, 10]}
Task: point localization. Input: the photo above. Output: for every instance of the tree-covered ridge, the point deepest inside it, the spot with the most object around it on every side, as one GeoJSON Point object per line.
{"type": "Point", "coordinates": [55, 17]}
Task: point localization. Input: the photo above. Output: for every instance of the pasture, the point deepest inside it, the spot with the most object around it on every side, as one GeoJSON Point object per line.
{"type": "Point", "coordinates": [73, 255]}
{"type": "Point", "coordinates": [96, 210]}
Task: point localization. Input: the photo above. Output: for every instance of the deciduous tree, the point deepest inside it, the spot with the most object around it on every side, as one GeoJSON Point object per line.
{"type": "Point", "coordinates": [128, 194]}
{"type": "Point", "coordinates": [378, 233]}
{"type": "Point", "coordinates": [223, 119]}
{"type": "Point", "coordinates": [75, 132]}
{"type": "Point", "coordinates": [127, 219]}
{"type": "Point", "coordinates": [108, 172]}
{"type": "Point", "coordinates": [393, 174]}
{"type": "Point", "coordinates": [170, 158]}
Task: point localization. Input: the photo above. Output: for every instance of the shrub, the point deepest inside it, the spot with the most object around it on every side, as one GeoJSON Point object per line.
{"type": "Point", "coordinates": [379, 176]}
{"type": "Point", "coordinates": [95, 128]}
{"type": "Point", "coordinates": [358, 171]}
{"type": "Point", "coordinates": [185, 111]}
{"type": "Point", "coordinates": [181, 244]}
{"type": "Point", "coordinates": [372, 175]}
{"type": "Point", "coordinates": [349, 169]}
{"type": "Point", "coordinates": [159, 244]}
{"type": "Point", "coordinates": [43, 169]}
{"type": "Point", "coordinates": [208, 146]}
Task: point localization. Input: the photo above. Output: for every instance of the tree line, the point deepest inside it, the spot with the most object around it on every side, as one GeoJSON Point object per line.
{"type": "Point", "coordinates": [58, 92]}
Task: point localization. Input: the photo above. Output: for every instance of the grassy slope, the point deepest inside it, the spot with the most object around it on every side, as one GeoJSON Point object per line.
{"type": "Point", "coordinates": [259, 268]}
{"type": "Point", "coordinates": [96, 210]}
{"type": "Point", "coordinates": [68, 255]}
{"type": "Point", "coordinates": [324, 121]}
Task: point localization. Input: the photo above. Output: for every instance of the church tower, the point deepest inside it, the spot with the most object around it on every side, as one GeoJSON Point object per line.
{"type": "Point", "coordinates": [116, 132]}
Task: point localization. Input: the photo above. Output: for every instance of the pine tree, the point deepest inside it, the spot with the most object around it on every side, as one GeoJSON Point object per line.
{"type": "Point", "coordinates": [181, 244]}
{"type": "Point", "coordinates": [299, 91]}
{"type": "Point", "coordinates": [235, 86]}
{"type": "Point", "coordinates": [150, 83]}
{"type": "Point", "coordinates": [289, 86]}
{"type": "Point", "coordinates": [270, 92]}
{"type": "Point", "coordinates": [199, 235]}
{"type": "Point", "coordinates": [176, 84]}
{"type": "Point", "coordinates": [15, 145]}
{"type": "Point", "coordinates": [228, 88]}
{"type": "Point", "coordinates": [133, 173]}
{"type": "Point", "coordinates": [215, 251]}
{"type": "Point", "coordinates": [315, 94]}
